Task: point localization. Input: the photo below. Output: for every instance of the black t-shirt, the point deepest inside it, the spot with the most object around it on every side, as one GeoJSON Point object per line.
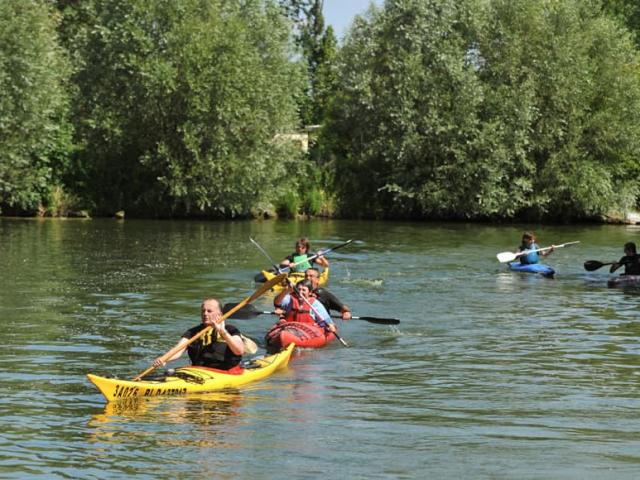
{"type": "Point", "coordinates": [210, 350]}
{"type": "Point", "coordinates": [631, 264]}
{"type": "Point", "coordinates": [329, 300]}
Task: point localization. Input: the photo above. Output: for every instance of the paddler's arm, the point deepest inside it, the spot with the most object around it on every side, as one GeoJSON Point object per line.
{"type": "Point", "coordinates": [322, 317]}
{"type": "Point", "coordinates": [616, 265]}
{"type": "Point", "coordinates": [158, 362]}
{"type": "Point", "coordinates": [322, 261]}
{"type": "Point", "coordinates": [286, 262]}
{"type": "Point", "coordinates": [283, 299]}
{"type": "Point", "coordinates": [282, 304]}
{"type": "Point", "coordinates": [545, 253]}
{"type": "Point", "coordinates": [324, 276]}
{"type": "Point", "coordinates": [331, 302]}
{"type": "Point", "coordinates": [233, 341]}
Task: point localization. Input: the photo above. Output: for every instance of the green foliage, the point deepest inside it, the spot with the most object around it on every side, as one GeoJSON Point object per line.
{"type": "Point", "coordinates": [61, 203]}
{"type": "Point", "coordinates": [179, 103]}
{"type": "Point", "coordinates": [627, 12]}
{"type": "Point", "coordinates": [470, 109]}
{"type": "Point", "coordinates": [319, 50]}
{"type": "Point", "coordinates": [288, 205]}
{"type": "Point", "coordinates": [475, 109]}
{"type": "Point", "coordinates": [35, 137]}
{"type": "Point", "coordinates": [579, 70]}
{"type": "Point", "coordinates": [313, 201]}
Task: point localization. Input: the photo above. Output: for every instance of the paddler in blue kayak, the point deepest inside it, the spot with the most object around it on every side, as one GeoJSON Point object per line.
{"type": "Point", "coordinates": [300, 256]}
{"type": "Point", "coordinates": [529, 243]}
{"type": "Point", "coordinates": [631, 260]}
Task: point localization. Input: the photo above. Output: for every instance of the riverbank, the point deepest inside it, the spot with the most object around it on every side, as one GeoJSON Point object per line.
{"type": "Point", "coordinates": [612, 218]}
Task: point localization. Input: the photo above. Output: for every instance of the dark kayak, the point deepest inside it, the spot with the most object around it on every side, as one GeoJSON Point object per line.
{"type": "Point", "coordinates": [624, 281]}
{"type": "Point", "coordinates": [544, 270]}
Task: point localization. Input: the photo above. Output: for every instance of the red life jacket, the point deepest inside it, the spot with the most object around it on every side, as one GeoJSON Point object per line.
{"type": "Point", "coordinates": [300, 311]}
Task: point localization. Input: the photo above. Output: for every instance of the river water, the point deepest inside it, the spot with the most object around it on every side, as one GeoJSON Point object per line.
{"type": "Point", "coordinates": [490, 374]}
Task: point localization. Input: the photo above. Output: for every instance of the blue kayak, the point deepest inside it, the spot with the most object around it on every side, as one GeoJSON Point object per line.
{"type": "Point", "coordinates": [544, 270]}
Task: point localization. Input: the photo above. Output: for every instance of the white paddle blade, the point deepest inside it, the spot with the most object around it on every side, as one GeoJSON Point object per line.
{"type": "Point", "coordinates": [505, 257]}
{"type": "Point", "coordinates": [250, 346]}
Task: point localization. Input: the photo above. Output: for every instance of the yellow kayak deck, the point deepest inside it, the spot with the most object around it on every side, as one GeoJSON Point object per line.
{"type": "Point", "coordinates": [296, 277]}
{"type": "Point", "coordinates": [187, 380]}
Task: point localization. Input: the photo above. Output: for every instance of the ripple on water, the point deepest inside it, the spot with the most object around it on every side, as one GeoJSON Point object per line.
{"type": "Point", "coordinates": [490, 374]}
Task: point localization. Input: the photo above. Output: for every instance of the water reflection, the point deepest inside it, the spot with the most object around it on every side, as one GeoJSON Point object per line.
{"type": "Point", "coordinates": [490, 374]}
{"type": "Point", "coordinates": [198, 420]}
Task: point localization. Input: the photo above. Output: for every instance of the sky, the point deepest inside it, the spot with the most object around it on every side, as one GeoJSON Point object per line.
{"type": "Point", "coordinates": [340, 13]}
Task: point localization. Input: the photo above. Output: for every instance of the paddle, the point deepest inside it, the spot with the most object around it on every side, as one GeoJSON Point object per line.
{"type": "Point", "coordinates": [591, 265]}
{"type": "Point", "coordinates": [250, 311]}
{"type": "Point", "coordinates": [260, 291]}
{"type": "Point", "coordinates": [309, 259]}
{"type": "Point", "coordinates": [504, 257]}
{"type": "Point", "coordinates": [250, 346]}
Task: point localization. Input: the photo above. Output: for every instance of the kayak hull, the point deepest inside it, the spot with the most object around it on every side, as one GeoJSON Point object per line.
{"type": "Point", "coordinates": [624, 281]}
{"type": "Point", "coordinates": [295, 277]}
{"type": "Point", "coordinates": [304, 335]}
{"type": "Point", "coordinates": [540, 268]}
{"type": "Point", "coordinates": [192, 379]}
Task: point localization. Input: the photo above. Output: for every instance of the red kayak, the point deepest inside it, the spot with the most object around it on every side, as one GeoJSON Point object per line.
{"type": "Point", "coordinates": [304, 335]}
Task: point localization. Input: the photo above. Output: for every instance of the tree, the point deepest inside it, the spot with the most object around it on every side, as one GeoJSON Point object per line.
{"type": "Point", "coordinates": [318, 45]}
{"type": "Point", "coordinates": [35, 136]}
{"type": "Point", "coordinates": [474, 109]}
{"type": "Point", "coordinates": [562, 78]}
{"type": "Point", "coordinates": [179, 104]}
{"type": "Point", "coordinates": [628, 12]}
{"type": "Point", "coordinates": [403, 125]}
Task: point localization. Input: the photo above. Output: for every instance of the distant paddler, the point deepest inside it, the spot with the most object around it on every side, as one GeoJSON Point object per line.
{"type": "Point", "coordinates": [302, 258]}
{"type": "Point", "coordinates": [630, 260]}
{"type": "Point", "coordinates": [293, 263]}
{"type": "Point", "coordinates": [529, 250]}
{"type": "Point", "coordinates": [324, 296]}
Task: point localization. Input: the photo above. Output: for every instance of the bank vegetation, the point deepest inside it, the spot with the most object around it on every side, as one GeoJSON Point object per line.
{"type": "Point", "coordinates": [427, 109]}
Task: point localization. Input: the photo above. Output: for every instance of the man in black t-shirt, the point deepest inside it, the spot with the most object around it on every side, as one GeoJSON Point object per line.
{"type": "Point", "coordinates": [631, 260]}
{"type": "Point", "coordinates": [328, 299]}
{"type": "Point", "coordinates": [220, 348]}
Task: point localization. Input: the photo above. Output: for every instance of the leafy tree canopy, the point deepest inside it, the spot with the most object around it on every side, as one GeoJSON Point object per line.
{"type": "Point", "coordinates": [476, 109]}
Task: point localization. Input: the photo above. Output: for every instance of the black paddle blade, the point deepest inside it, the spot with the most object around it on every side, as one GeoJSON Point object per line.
{"type": "Point", "coordinates": [380, 321]}
{"type": "Point", "coordinates": [591, 265]}
{"type": "Point", "coordinates": [245, 313]}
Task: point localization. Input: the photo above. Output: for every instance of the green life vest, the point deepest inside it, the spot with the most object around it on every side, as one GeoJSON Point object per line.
{"type": "Point", "coordinates": [302, 266]}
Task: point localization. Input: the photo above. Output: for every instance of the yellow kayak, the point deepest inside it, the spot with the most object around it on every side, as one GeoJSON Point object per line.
{"type": "Point", "coordinates": [296, 277]}
{"type": "Point", "coordinates": [190, 379]}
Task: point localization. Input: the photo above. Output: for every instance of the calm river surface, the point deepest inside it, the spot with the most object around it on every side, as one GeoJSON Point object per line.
{"type": "Point", "coordinates": [489, 375]}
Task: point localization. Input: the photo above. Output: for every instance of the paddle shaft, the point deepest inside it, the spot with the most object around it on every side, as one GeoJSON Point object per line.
{"type": "Point", "coordinates": [320, 253]}
{"type": "Point", "coordinates": [509, 256]}
{"type": "Point", "coordinates": [254, 313]}
{"type": "Point", "coordinates": [260, 291]}
{"type": "Point", "coordinates": [308, 259]}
